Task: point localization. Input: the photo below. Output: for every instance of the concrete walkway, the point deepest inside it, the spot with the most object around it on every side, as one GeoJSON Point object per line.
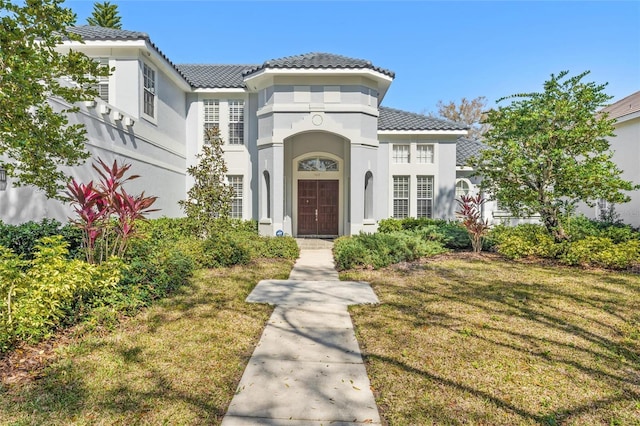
{"type": "Point", "coordinates": [307, 368]}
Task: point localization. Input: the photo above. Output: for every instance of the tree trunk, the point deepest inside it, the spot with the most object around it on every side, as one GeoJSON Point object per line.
{"type": "Point", "coordinates": [553, 225]}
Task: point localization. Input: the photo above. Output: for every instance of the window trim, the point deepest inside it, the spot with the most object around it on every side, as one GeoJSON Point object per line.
{"type": "Point", "coordinates": [406, 198]}
{"type": "Point", "coordinates": [230, 122]}
{"type": "Point", "coordinates": [427, 198]}
{"type": "Point", "coordinates": [467, 182]}
{"type": "Point", "coordinates": [419, 157]}
{"type": "Point", "coordinates": [204, 117]}
{"type": "Point", "coordinates": [151, 117]}
{"type": "Point", "coordinates": [238, 196]}
{"type": "Point", "coordinates": [406, 148]}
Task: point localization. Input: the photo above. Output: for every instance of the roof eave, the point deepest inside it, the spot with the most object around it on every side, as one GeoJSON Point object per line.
{"type": "Point", "coordinates": [219, 90]}
{"type": "Point", "coordinates": [422, 132]}
{"type": "Point", "coordinates": [255, 79]}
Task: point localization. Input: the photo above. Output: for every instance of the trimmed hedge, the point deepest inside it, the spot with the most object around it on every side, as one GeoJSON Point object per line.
{"type": "Point", "coordinates": [22, 239]}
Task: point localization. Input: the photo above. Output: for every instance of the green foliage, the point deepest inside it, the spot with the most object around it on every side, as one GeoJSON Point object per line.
{"type": "Point", "coordinates": [41, 294]}
{"type": "Point", "coordinates": [524, 240]}
{"type": "Point", "coordinates": [548, 151]}
{"type": "Point", "coordinates": [382, 249]}
{"type": "Point", "coordinates": [450, 234]}
{"type": "Point", "coordinates": [35, 136]}
{"type": "Point", "coordinates": [600, 251]}
{"type": "Point", "coordinates": [581, 227]}
{"type": "Point", "coordinates": [209, 198]}
{"type": "Point", "coordinates": [105, 15]}
{"type": "Point", "coordinates": [226, 250]}
{"type": "Point", "coordinates": [22, 239]}
{"type": "Point", "coordinates": [151, 278]}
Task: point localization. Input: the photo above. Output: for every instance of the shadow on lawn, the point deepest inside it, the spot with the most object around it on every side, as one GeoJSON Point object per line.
{"type": "Point", "coordinates": [514, 312]}
{"type": "Point", "coordinates": [147, 372]}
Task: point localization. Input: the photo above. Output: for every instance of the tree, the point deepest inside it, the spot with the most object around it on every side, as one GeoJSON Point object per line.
{"type": "Point", "coordinates": [35, 138]}
{"type": "Point", "coordinates": [469, 112]}
{"type": "Point", "coordinates": [548, 151]}
{"type": "Point", "coordinates": [105, 15]}
{"type": "Point", "coordinates": [210, 197]}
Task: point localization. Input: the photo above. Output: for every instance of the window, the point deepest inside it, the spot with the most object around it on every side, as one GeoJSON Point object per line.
{"type": "Point", "coordinates": [425, 153]}
{"type": "Point", "coordinates": [462, 187]}
{"type": "Point", "coordinates": [102, 86]}
{"type": "Point", "coordinates": [235, 182]}
{"type": "Point", "coordinates": [149, 96]}
{"type": "Point", "coordinates": [400, 197]}
{"type": "Point", "coordinates": [236, 122]}
{"type": "Point", "coordinates": [211, 116]}
{"type": "Point", "coordinates": [401, 153]}
{"type": "Point", "coordinates": [424, 196]}
{"type": "Point", "coordinates": [317, 165]}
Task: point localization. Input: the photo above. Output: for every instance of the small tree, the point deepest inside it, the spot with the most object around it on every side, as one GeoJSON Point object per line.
{"type": "Point", "coordinates": [105, 15]}
{"type": "Point", "coordinates": [210, 197]}
{"type": "Point", "coordinates": [469, 111]}
{"type": "Point", "coordinates": [471, 215]}
{"type": "Point", "coordinates": [548, 151]}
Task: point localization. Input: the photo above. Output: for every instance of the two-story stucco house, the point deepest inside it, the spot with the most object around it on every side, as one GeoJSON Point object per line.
{"type": "Point", "coordinates": [309, 148]}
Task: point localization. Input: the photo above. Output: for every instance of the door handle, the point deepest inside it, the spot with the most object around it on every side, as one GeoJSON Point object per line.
{"type": "Point", "coordinates": [316, 215]}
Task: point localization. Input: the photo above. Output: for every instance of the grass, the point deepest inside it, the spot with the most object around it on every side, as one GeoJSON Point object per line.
{"type": "Point", "coordinates": [468, 340]}
{"type": "Point", "coordinates": [176, 363]}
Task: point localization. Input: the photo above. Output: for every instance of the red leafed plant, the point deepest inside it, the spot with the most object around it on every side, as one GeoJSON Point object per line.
{"type": "Point", "coordinates": [107, 214]}
{"type": "Point", "coordinates": [471, 215]}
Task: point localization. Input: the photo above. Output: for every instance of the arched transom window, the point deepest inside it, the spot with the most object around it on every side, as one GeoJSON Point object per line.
{"type": "Point", "coordinates": [317, 164]}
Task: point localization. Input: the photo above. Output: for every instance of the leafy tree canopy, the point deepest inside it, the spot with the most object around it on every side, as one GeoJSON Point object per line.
{"type": "Point", "coordinates": [469, 111]}
{"type": "Point", "coordinates": [35, 135]}
{"type": "Point", "coordinates": [210, 197]}
{"type": "Point", "coordinates": [547, 151]}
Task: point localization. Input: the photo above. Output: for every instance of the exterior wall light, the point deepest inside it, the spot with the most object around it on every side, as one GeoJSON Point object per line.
{"type": "Point", "coordinates": [3, 179]}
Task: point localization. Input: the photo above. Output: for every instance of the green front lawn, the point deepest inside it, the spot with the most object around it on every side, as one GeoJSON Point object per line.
{"type": "Point", "coordinates": [176, 363]}
{"type": "Point", "coordinates": [476, 340]}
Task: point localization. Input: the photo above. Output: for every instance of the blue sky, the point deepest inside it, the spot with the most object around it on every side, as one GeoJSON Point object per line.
{"type": "Point", "coordinates": [438, 50]}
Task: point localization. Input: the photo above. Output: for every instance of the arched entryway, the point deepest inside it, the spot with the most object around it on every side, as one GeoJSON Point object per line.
{"type": "Point", "coordinates": [315, 179]}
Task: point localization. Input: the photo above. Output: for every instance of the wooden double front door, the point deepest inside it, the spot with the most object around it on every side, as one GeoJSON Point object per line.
{"type": "Point", "coordinates": [318, 209]}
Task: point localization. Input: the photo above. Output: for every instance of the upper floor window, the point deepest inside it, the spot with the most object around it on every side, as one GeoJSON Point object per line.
{"type": "Point", "coordinates": [424, 153]}
{"type": "Point", "coordinates": [211, 115]}
{"type": "Point", "coordinates": [400, 153]}
{"type": "Point", "coordinates": [102, 85]}
{"type": "Point", "coordinates": [149, 95]}
{"type": "Point", "coordinates": [236, 122]}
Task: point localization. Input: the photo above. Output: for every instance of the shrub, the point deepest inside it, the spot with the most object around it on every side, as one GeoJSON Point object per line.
{"type": "Point", "coordinates": [600, 251]}
{"type": "Point", "coordinates": [274, 248]}
{"type": "Point", "coordinates": [451, 234]}
{"type": "Point", "coordinates": [382, 249]}
{"type": "Point", "coordinates": [43, 293]}
{"type": "Point", "coordinates": [524, 240]}
{"type": "Point", "coordinates": [151, 278]}
{"type": "Point", "coordinates": [581, 227]}
{"type": "Point", "coordinates": [226, 250]}
{"type": "Point", "coordinates": [107, 214]}
{"type": "Point", "coordinates": [471, 215]}
{"type": "Point", "coordinates": [22, 239]}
